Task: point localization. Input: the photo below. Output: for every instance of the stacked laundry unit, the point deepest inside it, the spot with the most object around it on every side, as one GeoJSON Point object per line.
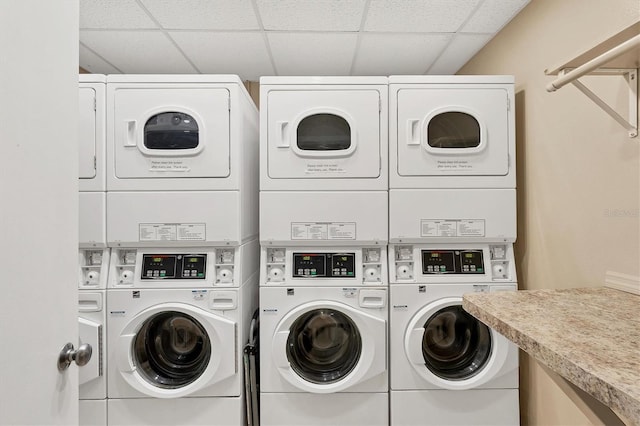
{"type": "Point", "coordinates": [93, 255]}
{"type": "Point", "coordinates": [452, 212]}
{"type": "Point", "coordinates": [323, 236]}
{"type": "Point", "coordinates": [182, 222]}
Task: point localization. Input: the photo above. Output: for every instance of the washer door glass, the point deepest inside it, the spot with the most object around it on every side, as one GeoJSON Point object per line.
{"type": "Point", "coordinates": [171, 350]}
{"type": "Point", "coordinates": [324, 346]}
{"type": "Point", "coordinates": [455, 345]}
{"type": "Point", "coordinates": [453, 130]}
{"type": "Point", "coordinates": [171, 130]}
{"type": "Point", "coordinates": [323, 132]}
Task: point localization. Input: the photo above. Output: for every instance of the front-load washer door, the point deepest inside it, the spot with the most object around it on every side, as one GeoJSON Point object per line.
{"type": "Point", "coordinates": [323, 134]}
{"type": "Point", "coordinates": [326, 347]}
{"type": "Point", "coordinates": [451, 349]}
{"type": "Point", "coordinates": [87, 137]}
{"type": "Point", "coordinates": [453, 132]}
{"type": "Point", "coordinates": [171, 133]}
{"type": "Point", "coordinates": [173, 350]}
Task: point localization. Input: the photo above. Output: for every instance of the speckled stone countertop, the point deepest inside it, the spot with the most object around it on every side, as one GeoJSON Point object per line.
{"type": "Point", "coordinates": [590, 336]}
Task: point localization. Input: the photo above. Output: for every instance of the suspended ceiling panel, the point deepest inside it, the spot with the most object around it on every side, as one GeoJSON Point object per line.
{"type": "Point", "coordinates": [253, 38]}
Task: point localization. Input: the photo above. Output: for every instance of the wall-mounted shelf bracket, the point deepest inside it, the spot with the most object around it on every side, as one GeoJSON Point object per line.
{"type": "Point", "coordinates": [631, 77]}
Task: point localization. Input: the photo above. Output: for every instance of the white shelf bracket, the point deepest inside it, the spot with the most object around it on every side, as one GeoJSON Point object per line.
{"type": "Point", "coordinates": [631, 77]}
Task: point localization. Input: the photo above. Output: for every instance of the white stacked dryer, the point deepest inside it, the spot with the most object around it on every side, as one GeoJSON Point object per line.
{"type": "Point", "coordinates": [323, 235]}
{"type": "Point", "coordinates": [182, 221]}
{"type": "Point", "coordinates": [93, 254]}
{"type": "Point", "coordinates": [452, 224]}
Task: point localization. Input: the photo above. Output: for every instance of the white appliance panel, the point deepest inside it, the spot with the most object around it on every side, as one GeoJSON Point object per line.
{"type": "Point", "coordinates": [92, 330]}
{"type": "Point", "coordinates": [423, 152]}
{"type": "Point", "coordinates": [357, 156]}
{"type": "Point", "coordinates": [92, 220]}
{"type": "Point", "coordinates": [344, 409]}
{"type": "Point", "coordinates": [92, 412]}
{"type": "Point", "coordinates": [228, 411]}
{"type": "Point", "coordinates": [452, 215]}
{"type": "Point", "coordinates": [487, 407]}
{"type": "Point", "coordinates": [174, 218]}
{"type": "Point", "coordinates": [138, 108]}
{"type": "Point", "coordinates": [87, 132]}
{"type": "Point", "coordinates": [324, 218]}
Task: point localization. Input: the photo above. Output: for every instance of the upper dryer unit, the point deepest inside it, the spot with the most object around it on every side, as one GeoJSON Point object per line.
{"type": "Point", "coordinates": [92, 160]}
{"type": "Point", "coordinates": [452, 132]}
{"type": "Point", "coordinates": [182, 157]}
{"type": "Point", "coordinates": [323, 133]}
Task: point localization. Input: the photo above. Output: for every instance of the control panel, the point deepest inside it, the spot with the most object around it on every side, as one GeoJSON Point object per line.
{"type": "Point", "coordinates": [93, 268]}
{"type": "Point", "coordinates": [325, 265]}
{"type": "Point", "coordinates": [366, 265]}
{"type": "Point", "coordinates": [173, 266]}
{"type": "Point", "coordinates": [443, 263]}
{"type": "Point", "coordinates": [452, 262]}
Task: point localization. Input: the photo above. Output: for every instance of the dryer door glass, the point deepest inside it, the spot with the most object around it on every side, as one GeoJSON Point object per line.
{"type": "Point", "coordinates": [455, 345]}
{"type": "Point", "coordinates": [324, 346]}
{"type": "Point", "coordinates": [323, 132]}
{"type": "Point", "coordinates": [171, 350]}
{"type": "Point", "coordinates": [171, 130]}
{"type": "Point", "coordinates": [453, 130]}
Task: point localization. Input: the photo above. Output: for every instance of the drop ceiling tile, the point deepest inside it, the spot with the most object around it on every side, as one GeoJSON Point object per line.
{"type": "Point", "coordinates": [387, 54]}
{"type": "Point", "coordinates": [94, 63]}
{"type": "Point", "coordinates": [203, 14]}
{"type": "Point", "coordinates": [433, 16]}
{"type": "Point", "coordinates": [458, 52]}
{"type": "Point", "coordinates": [239, 53]}
{"type": "Point", "coordinates": [312, 53]}
{"type": "Point", "coordinates": [493, 15]}
{"type": "Point", "coordinates": [137, 52]}
{"type": "Point", "coordinates": [115, 14]}
{"type": "Point", "coordinates": [311, 15]}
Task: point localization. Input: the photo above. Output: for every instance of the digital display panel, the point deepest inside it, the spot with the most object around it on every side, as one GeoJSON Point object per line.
{"type": "Point", "coordinates": [452, 262]}
{"type": "Point", "coordinates": [324, 265]}
{"type": "Point", "coordinates": [173, 266]}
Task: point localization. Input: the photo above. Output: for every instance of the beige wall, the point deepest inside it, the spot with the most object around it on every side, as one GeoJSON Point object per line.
{"type": "Point", "coordinates": [578, 173]}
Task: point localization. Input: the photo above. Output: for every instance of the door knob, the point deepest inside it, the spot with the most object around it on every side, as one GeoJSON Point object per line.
{"type": "Point", "coordinates": [69, 354]}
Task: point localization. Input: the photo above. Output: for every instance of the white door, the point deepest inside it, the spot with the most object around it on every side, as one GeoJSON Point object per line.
{"type": "Point", "coordinates": [324, 134]}
{"type": "Point", "coordinates": [38, 211]}
{"type": "Point", "coordinates": [453, 132]}
{"type": "Point", "coordinates": [171, 132]}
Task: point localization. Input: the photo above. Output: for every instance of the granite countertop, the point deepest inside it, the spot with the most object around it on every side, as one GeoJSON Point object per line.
{"type": "Point", "coordinates": [590, 336]}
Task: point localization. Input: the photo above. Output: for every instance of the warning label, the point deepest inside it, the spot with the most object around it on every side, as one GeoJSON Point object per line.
{"type": "Point", "coordinates": [452, 228]}
{"type": "Point", "coordinates": [172, 232]}
{"type": "Point", "coordinates": [323, 231]}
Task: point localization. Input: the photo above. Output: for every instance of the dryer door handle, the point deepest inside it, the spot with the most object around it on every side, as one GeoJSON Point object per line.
{"type": "Point", "coordinates": [413, 131]}
{"type": "Point", "coordinates": [282, 134]}
{"type": "Point", "coordinates": [123, 355]}
{"type": "Point", "coordinates": [413, 346]}
{"type": "Point", "coordinates": [280, 349]}
{"type": "Point", "coordinates": [129, 136]}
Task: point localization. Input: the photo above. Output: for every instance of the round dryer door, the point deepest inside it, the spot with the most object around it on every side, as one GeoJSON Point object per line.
{"type": "Point", "coordinates": [173, 350]}
{"type": "Point", "coordinates": [451, 348]}
{"type": "Point", "coordinates": [327, 347]}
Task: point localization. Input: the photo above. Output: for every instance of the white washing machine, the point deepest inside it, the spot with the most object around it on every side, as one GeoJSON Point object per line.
{"type": "Point", "coordinates": [447, 368]}
{"type": "Point", "coordinates": [93, 254]}
{"type": "Point", "coordinates": [323, 155]}
{"type": "Point", "coordinates": [182, 155]}
{"type": "Point", "coordinates": [182, 344]}
{"type": "Point", "coordinates": [452, 159]}
{"type": "Point", "coordinates": [323, 337]}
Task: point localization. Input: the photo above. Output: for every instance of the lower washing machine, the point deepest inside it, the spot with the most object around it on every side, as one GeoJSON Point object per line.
{"type": "Point", "coordinates": [323, 357]}
{"type": "Point", "coordinates": [92, 377]}
{"type": "Point", "coordinates": [447, 368]}
{"type": "Point", "coordinates": [175, 355]}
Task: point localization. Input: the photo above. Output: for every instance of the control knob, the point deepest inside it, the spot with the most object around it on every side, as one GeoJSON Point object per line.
{"type": "Point", "coordinates": [225, 275]}
{"type": "Point", "coordinates": [371, 273]}
{"type": "Point", "coordinates": [126, 276]}
{"type": "Point", "coordinates": [93, 277]}
{"type": "Point", "coordinates": [276, 273]}
{"type": "Point", "coordinates": [403, 272]}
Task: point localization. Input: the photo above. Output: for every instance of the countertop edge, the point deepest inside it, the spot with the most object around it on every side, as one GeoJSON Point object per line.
{"type": "Point", "coordinates": [619, 401]}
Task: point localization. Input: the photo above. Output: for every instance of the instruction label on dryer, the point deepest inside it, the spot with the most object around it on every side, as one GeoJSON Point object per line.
{"type": "Point", "coordinates": [172, 232]}
{"type": "Point", "coordinates": [323, 230]}
{"type": "Point", "coordinates": [452, 228]}
{"type": "Point", "coordinates": [323, 168]}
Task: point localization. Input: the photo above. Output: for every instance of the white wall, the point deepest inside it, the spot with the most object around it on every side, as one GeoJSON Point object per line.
{"type": "Point", "coordinates": [578, 172]}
